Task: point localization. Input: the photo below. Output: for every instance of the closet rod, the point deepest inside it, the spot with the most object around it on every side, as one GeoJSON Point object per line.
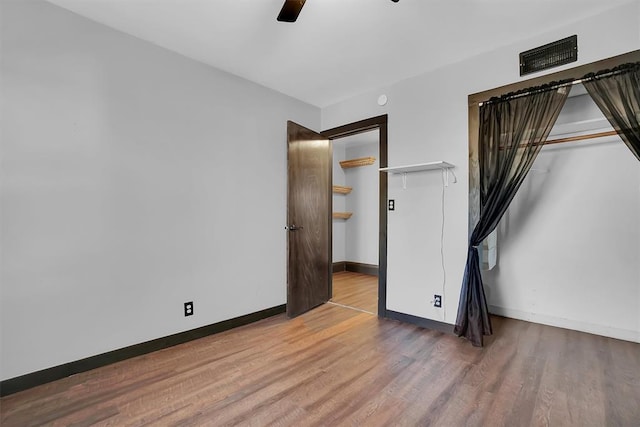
{"type": "Point", "coordinates": [581, 137]}
{"type": "Point", "coordinates": [572, 138]}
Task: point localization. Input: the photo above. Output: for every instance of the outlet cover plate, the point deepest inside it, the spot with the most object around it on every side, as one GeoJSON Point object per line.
{"type": "Point", "coordinates": [437, 301]}
{"type": "Point", "coordinates": [188, 308]}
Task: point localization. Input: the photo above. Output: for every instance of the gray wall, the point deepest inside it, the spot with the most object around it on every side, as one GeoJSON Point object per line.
{"type": "Point", "coordinates": [339, 204]}
{"type": "Point", "coordinates": [362, 228]}
{"type": "Point", "coordinates": [356, 239]}
{"type": "Point", "coordinates": [133, 180]}
{"type": "Point", "coordinates": [428, 121]}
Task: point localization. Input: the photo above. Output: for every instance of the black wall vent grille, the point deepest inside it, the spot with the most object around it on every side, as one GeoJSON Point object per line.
{"type": "Point", "coordinates": [550, 55]}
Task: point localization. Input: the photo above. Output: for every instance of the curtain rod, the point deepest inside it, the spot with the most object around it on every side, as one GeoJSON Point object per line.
{"type": "Point", "coordinates": [552, 86]}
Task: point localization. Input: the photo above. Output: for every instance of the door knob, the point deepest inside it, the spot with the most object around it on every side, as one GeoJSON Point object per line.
{"type": "Point", "coordinates": [294, 227]}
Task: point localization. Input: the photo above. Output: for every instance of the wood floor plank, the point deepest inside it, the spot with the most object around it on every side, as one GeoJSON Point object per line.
{"type": "Point", "coordinates": [337, 366]}
{"type": "Point", "coordinates": [356, 290]}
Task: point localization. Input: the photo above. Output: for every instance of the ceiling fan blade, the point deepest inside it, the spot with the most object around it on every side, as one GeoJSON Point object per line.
{"type": "Point", "coordinates": [290, 10]}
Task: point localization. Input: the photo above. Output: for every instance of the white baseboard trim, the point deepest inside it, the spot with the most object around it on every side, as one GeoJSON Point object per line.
{"type": "Point", "coordinates": [606, 331]}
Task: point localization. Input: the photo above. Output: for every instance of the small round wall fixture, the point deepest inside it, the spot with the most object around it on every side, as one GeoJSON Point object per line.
{"type": "Point", "coordinates": [382, 100]}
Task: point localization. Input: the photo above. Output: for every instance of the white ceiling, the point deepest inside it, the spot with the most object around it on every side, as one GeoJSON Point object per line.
{"type": "Point", "coordinates": [337, 48]}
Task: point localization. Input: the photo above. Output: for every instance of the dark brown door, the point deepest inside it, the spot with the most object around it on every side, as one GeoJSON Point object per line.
{"type": "Point", "coordinates": [308, 219]}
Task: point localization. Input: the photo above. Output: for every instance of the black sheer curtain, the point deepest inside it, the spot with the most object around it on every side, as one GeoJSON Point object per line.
{"type": "Point", "coordinates": [617, 94]}
{"type": "Point", "coordinates": [512, 131]}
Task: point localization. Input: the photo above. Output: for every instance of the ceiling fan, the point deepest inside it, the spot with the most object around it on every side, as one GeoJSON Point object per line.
{"type": "Point", "coordinates": [291, 9]}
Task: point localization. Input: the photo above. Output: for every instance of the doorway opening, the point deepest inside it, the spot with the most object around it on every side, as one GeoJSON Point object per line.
{"type": "Point", "coordinates": [359, 227]}
{"type": "Point", "coordinates": [355, 221]}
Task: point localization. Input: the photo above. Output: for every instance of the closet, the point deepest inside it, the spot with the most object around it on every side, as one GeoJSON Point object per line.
{"type": "Point", "coordinates": [567, 247]}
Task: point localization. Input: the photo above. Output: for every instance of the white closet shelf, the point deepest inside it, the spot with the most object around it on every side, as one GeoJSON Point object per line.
{"type": "Point", "coordinates": [404, 170]}
{"type": "Point", "coordinates": [417, 168]}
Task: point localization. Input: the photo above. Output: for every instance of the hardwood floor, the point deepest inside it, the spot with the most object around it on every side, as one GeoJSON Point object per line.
{"type": "Point", "coordinates": [356, 290]}
{"type": "Point", "coordinates": [337, 366]}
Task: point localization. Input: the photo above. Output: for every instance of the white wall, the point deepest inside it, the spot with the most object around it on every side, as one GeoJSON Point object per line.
{"type": "Point", "coordinates": [569, 245]}
{"type": "Point", "coordinates": [339, 204]}
{"type": "Point", "coordinates": [428, 122]}
{"type": "Point", "coordinates": [363, 227]}
{"type": "Point", "coordinates": [133, 180]}
{"type": "Point", "coordinates": [356, 239]}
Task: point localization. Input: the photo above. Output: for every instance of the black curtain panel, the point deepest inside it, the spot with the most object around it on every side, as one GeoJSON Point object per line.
{"type": "Point", "coordinates": [617, 93]}
{"type": "Point", "coordinates": [513, 129]}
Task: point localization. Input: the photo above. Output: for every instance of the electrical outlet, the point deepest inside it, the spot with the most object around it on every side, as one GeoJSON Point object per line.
{"type": "Point", "coordinates": [392, 205]}
{"type": "Point", "coordinates": [188, 308]}
{"type": "Point", "coordinates": [437, 301]}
